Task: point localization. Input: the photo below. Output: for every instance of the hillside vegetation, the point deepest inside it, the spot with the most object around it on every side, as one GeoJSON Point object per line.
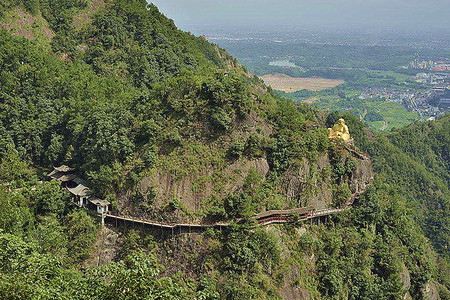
{"type": "Point", "coordinates": [169, 127]}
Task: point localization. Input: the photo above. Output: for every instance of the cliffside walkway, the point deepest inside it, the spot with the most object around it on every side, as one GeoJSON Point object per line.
{"type": "Point", "coordinates": [263, 219]}
{"type": "Point", "coordinates": [65, 175]}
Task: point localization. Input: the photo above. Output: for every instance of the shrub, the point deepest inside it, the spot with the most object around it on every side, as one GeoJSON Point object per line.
{"type": "Point", "coordinates": [216, 213]}
{"type": "Point", "coordinates": [149, 157]}
{"type": "Point", "coordinates": [236, 149]}
{"type": "Point", "coordinates": [341, 193]}
{"type": "Point", "coordinates": [238, 205]}
{"type": "Point", "coordinates": [253, 146]}
{"type": "Point", "coordinates": [221, 120]}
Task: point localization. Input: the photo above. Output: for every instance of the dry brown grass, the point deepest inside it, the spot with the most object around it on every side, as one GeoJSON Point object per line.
{"type": "Point", "coordinates": [285, 83]}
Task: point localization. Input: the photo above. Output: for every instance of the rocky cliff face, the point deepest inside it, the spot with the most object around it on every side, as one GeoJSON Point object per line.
{"type": "Point", "coordinates": [166, 196]}
{"type": "Point", "coordinates": [311, 183]}
{"type": "Point", "coordinates": [192, 190]}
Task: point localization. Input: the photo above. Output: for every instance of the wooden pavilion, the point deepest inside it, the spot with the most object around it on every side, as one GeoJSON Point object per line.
{"type": "Point", "coordinates": [82, 194]}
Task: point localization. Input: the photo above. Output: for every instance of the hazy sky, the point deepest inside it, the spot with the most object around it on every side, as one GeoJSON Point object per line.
{"type": "Point", "coordinates": [328, 14]}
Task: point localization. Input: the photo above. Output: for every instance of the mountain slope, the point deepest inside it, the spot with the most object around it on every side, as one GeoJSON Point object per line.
{"type": "Point", "coordinates": [415, 160]}
{"type": "Point", "coordinates": [153, 116]}
{"type": "Point", "coordinates": [169, 127]}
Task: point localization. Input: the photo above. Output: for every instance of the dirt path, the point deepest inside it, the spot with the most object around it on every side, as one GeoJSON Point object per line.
{"type": "Point", "coordinates": [363, 115]}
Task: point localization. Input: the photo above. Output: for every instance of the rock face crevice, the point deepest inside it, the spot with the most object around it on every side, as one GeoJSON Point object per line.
{"type": "Point", "coordinates": [105, 249]}
{"type": "Point", "coordinates": [305, 185]}
{"type": "Point", "coordinates": [195, 188]}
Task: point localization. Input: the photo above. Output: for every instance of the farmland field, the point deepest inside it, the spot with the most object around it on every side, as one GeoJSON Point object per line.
{"type": "Point", "coordinates": [287, 84]}
{"type": "Point", "coordinates": [390, 114]}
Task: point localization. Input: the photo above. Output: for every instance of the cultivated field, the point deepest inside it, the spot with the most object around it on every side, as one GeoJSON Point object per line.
{"type": "Point", "coordinates": [285, 83]}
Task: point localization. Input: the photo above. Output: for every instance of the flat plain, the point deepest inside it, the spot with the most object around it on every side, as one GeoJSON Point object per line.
{"type": "Point", "coordinates": [288, 84]}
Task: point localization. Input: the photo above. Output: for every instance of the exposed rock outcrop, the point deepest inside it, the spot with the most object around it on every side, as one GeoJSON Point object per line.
{"type": "Point", "coordinates": [106, 247]}
{"type": "Point", "coordinates": [193, 189]}
{"type": "Point", "coordinates": [309, 183]}
{"type": "Point", "coordinates": [431, 291]}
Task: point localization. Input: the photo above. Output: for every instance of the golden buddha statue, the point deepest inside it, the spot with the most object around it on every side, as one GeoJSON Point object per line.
{"type": "Point", "coordinates": [339, 131]}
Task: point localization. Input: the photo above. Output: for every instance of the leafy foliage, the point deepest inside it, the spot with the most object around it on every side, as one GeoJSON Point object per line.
{"type": "Point", "coordinates": [126, 93]}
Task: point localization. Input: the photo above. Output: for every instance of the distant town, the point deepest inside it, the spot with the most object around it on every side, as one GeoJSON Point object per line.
{"type": "Point", "coordinates": [410, 74]}
{"type": "Point", "coordinates": [436, 99]}
{"type": "Point", "coordinates": [429, 103]}
{"type": "Point", "coordinates": [437, 66]}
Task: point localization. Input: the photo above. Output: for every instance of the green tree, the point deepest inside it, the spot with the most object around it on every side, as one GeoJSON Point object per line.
{"type": "Point", "coordinates": [13, 168]}
{"type": "Point", "coordinates": [137, 276]}
{"type": "Point", "coordinates": [81, 234]}
{"type": "Point", "coordinates": [49, 198]}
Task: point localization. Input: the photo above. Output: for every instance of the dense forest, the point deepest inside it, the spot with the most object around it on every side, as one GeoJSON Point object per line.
{"type": "Point", "coordinates": [115, 90]}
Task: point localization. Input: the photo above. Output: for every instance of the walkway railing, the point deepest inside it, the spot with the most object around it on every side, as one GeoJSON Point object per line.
{"type": "Point", "coordinates": [263, 219]}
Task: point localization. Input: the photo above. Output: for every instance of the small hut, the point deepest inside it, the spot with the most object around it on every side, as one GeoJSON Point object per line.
{"type": "Point", "coordinates": [70, 182]}
{"type": "Point", "coordinates": [100, 204]}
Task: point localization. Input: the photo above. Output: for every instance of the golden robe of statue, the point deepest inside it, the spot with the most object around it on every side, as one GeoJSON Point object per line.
{"type": "Point", "coordinates": [339, 131]}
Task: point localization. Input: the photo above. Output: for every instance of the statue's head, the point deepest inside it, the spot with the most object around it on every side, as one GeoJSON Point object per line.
{"type": "Point", "coordinates": [341, 122]}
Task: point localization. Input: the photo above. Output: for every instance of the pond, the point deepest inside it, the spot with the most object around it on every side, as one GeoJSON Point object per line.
{"type": "Point", "coordinates": [283, 63]}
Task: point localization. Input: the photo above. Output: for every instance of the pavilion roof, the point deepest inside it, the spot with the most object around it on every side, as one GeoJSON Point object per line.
{"type": "Point", "coordinates": [61, 176]}
{"type": "Point", "coordinates": [63, 168]}
{"type": "Point", "coordinates": [99, 202]}
{"type": "Point", "coordinates": [80, 190]}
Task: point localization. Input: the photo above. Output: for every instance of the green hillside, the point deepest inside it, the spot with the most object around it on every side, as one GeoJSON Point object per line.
{"type": "Point", "coordinates": [169, 127]}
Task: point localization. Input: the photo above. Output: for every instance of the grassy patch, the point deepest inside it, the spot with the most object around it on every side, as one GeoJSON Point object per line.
{"type": "Point", "coordinates": [34, 28]}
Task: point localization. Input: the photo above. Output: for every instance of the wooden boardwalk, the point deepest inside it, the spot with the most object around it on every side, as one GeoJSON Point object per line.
{"type": "Point", "coordinates": [263, 219]}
